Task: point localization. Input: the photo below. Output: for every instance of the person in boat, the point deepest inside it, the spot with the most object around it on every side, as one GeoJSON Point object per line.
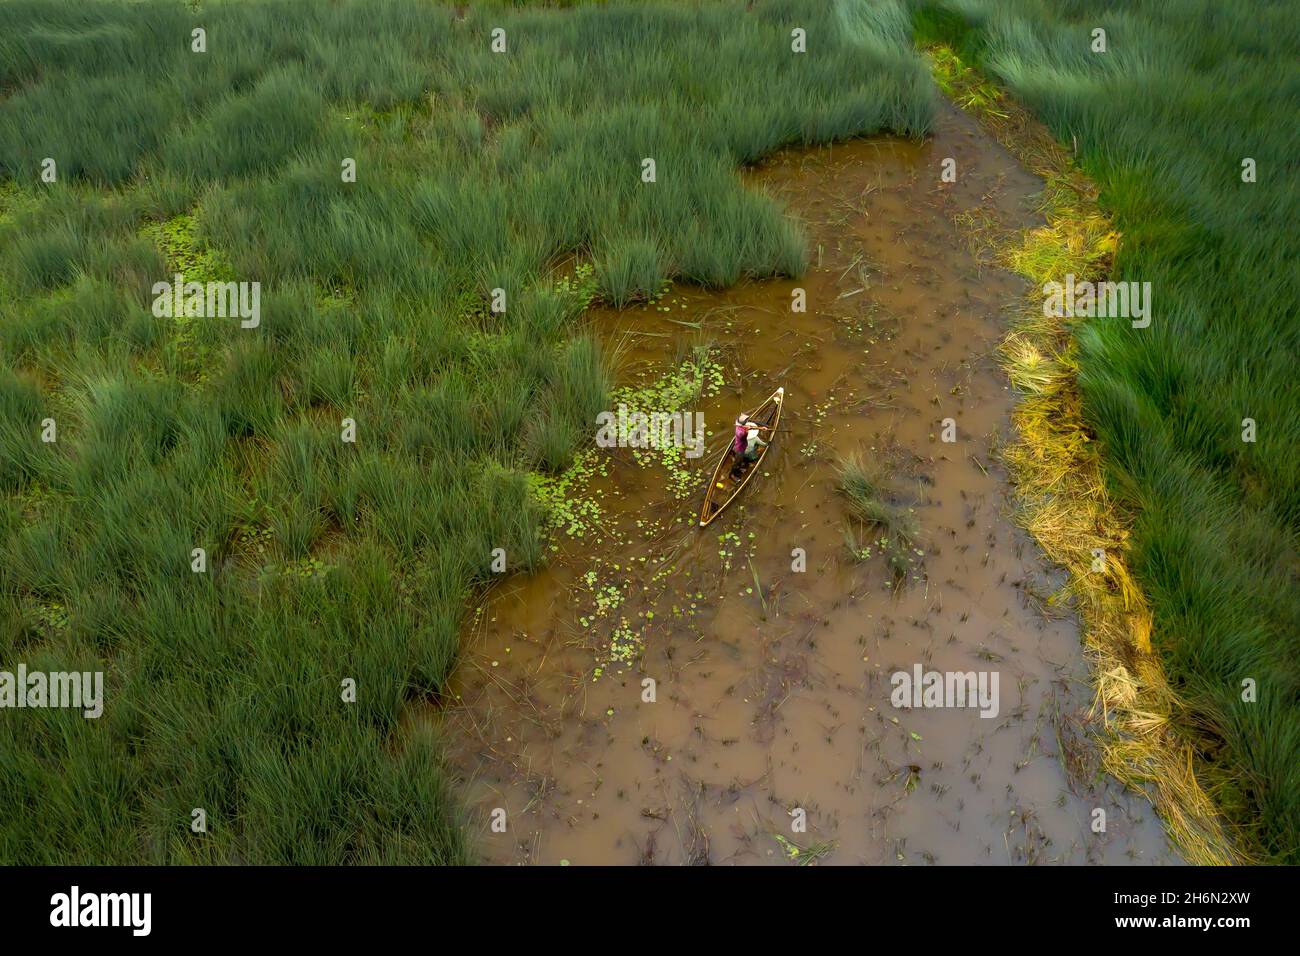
{"type": "Point", "coordinates": [741, 433]}
{"type": "Point", "coordinates": [748, 444]}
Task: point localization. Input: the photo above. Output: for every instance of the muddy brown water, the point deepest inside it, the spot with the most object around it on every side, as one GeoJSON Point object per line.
{"type": "Point", "coordinates": [772, 687]}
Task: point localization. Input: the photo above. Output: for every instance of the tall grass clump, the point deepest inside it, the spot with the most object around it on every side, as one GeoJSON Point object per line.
{"type": "Point", "coordinates": [417, 309]}
{"type": "Point", "coordinates": [877, 524]}
{"type": "Point", "coordinates": [1163, 122]}
{"type": "Point", "coordinates": [629, 269]}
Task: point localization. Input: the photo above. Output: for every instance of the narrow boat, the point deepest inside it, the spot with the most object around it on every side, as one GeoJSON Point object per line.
{"type": "Point", "coordinates": [723, 488]}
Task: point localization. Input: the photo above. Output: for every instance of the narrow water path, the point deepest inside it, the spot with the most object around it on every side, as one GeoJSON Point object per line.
{"type": "Point", "coordinates": [772, 685]}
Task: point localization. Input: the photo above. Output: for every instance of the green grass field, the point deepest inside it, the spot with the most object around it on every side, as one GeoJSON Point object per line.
{"type": "Point", "coordinates": [330, 560]}
{"type": "Point", "coordinates": [1186, 90]}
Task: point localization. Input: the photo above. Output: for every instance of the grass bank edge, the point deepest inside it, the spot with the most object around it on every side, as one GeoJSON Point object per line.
{"type": "Point", "coordinates": [1061, 493]}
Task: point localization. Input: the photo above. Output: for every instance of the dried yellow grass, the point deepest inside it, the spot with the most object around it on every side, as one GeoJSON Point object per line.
{"type": "Point", "coordinates": [1061, 496]}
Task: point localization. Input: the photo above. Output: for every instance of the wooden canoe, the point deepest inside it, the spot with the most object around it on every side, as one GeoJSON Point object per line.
{"type": "Point", "coordinates": [723, 489]}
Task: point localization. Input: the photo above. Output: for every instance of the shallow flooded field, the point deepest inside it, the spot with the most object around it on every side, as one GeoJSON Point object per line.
{"type": "Point", "coordinates": [771, 677]}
